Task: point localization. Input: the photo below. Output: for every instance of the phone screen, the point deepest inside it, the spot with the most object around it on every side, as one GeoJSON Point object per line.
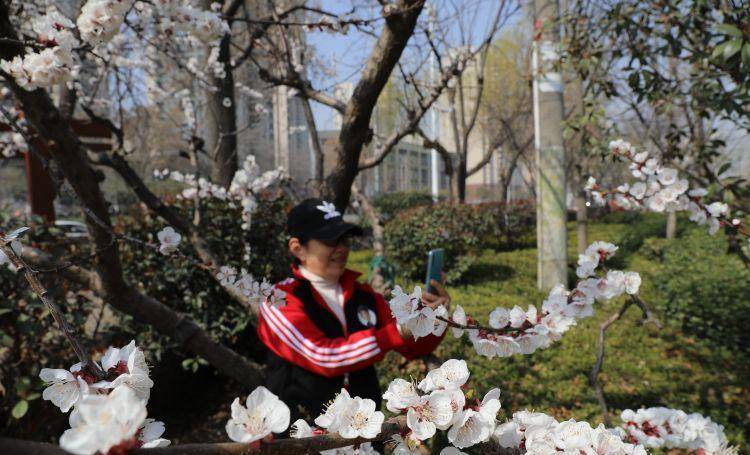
{"type": "Point", "coordinates": [434, 267]}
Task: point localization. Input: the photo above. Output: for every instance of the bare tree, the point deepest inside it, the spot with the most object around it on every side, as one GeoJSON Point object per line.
{"type": "Point", "coordinates": [401, 21]}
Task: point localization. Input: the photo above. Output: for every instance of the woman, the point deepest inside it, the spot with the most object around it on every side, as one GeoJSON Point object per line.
{"type": "Point", "coordinates": [333, 329]}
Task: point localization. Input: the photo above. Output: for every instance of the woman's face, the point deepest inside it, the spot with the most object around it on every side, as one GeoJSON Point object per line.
{"type": "Point", "coordinates": [325, 259]}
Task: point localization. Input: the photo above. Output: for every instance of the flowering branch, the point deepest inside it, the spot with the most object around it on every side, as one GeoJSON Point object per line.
{"type": "Point", "coordinates": [9, 245]}
{"type": "Point", "coordinates": [660, 190]}
{"type": "Point", "coordinates": [517, 331]}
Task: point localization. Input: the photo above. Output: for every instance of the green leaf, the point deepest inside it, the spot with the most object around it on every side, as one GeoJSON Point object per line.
{"type": "Point", "coordinates": [746, 55]}
{"type": "Point", "coordinates": [719, 50]}
{"type": "Point", "coordinates": [33, 396]}
{"type": "Point", "coordinates": [732, 48]}
{"type": "Point", "coordinates": [5, 311]}
{"type": "Point", "coordinates": [19, 410]}
{"type": "Point", "coordinates": [724, 167]}
{"type": "Point", "coordinates": [729, 29]}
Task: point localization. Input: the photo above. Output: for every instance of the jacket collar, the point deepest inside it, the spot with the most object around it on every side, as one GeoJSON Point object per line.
{"type": "Point", "coordinates": [347, 280]}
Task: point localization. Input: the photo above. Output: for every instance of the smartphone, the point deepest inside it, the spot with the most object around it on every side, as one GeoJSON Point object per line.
{"type": "Point", "coordinates": [434, 267]}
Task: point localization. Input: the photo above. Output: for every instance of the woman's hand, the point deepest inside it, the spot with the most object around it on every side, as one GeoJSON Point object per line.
{"type": "Point", "coordinates": [435, 300]}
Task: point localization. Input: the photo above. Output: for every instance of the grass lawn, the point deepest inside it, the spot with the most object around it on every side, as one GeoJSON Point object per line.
{"type": "Point", "coordinates": [643, 366]}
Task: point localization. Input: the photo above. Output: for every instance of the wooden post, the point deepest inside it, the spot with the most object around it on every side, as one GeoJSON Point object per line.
{"type": "Point", "coordinates": [40, 190]}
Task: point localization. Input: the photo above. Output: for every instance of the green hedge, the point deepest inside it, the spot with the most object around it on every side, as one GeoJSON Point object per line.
{"type": "Point", "coordinates": [699, 286]}
{"type": "Point", "coordinates": [391, 204]}
{"type": "Point", "coordinates": [458, 229]}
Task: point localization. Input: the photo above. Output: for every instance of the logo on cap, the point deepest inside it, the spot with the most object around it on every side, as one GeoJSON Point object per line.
{"type": "Point", "coordinates": [329, 209]}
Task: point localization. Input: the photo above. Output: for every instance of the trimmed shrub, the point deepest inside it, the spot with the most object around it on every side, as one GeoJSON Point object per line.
{"type": "Point", "coordinates": [701, 287]}
{"type": "Point", "coordinates": [511, 225]}
{"type": "Point", "coordinates": [458, 229]}
{"type": "Point", "coordinates": [391, 204]}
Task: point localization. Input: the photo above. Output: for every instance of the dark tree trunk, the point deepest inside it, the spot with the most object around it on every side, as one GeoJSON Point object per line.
{"type": "Point", "coordinates": [225, 161]}
{"type": "Point", "coordinates": [355, 131]}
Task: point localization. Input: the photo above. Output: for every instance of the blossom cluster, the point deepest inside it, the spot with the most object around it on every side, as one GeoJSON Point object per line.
{"type": "Point", "coordinates": [107, 412]}
{"type": "Point", "coordinates": [246, 184]}
{"type": "Point", "coordinates": [519, 331]}
{"type": "Point", "coordinates": [410, 313]}
{"type": "Point", "coordinates": [264, 413]}
{"type": "Point", "coordinates": [50, 65]}
{"type": "Point", "coordinates": [350, 417]}
{"type": "Point", "coordinates": [442, 405]}
{"type": "Point", "coordinates": [673, 429]}
{"type": "Point", "coordinates": [205, 25]}
{"type": "Point", "coordinates": [659, 189]}
{"type": "Point", "coordinates": [542, 434]}
{"type": "Point", "coordinates": [12, 143]}
{"type": "Point", "coordinates": [99, 22]}
{"type": "Point", "coordinates": [254, 291]}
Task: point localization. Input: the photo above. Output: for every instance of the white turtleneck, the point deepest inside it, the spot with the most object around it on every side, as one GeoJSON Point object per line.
{"type": "Point", "coordinates": [331, 292]}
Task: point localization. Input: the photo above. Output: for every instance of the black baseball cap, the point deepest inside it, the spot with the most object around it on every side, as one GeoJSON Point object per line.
{"type": "Point", "coordinates": [318, 219]}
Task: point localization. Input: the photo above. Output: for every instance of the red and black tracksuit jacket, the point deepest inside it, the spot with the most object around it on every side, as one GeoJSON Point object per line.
{"type": "Point", "coordinates": [312, 355]}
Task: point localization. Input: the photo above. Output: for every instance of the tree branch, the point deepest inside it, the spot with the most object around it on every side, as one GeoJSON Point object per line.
{"type": "Point", "coordinates": [165, 320]}
{"type": "Point", "coordinates": [438, 147]}
{"type": "Point", "coordinates": [313, 444]}
{"type": "Point", "coordinates": [88, 364]}
{"type": "Point", "coordinates": [483, 162]}
{"type": "Point", "coordinates": [305, 88]}
{"type": "Point", "coordinates": [413, 124]}
{"type": "Point", "coordinates": [600, 360]}
{"type": "Point", "coordinates": [593, 376]}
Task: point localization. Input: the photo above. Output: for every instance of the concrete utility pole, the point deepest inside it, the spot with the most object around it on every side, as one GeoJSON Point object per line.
{"type": "Point", "coordinates": [551, 198]}
{"type": "Point", "coordinates": [434, 164]}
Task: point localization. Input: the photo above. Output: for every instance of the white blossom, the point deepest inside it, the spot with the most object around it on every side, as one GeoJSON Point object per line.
{"type": "Point", "coordinates": [400, 395]}
{"type": "Point", "coordinates": [100, 20]}
{"type": "Point", "coordinates": [475, 426]}
{"type": "Point", "coordinates": [459, 317]}
{"type": "Point", "coordinates": [360, 419]}
{"type": "Point", "coordinates": [499, 318]}
{"type": "Point", "coordinates": [409, 445]}
{"type": "Point", "coordinates": [262, 415]}
{"type": "Point", "coordinates": [65, 388]}
{"type": "Point", "coordinates": [149, 434]}
{"type": "Point", "coordinates": [169, 240]}
{"type": "Point", "coordinates": [517, 317]}
{"type": "Point", "coordinates": [129, 364]}
{"type": "Point", "coordinates": [101, 422]}
{"type": "Point", "coordinates": [331, 418]}
{"type": "Point", "coordinates": [452, 374]}
{"type": "Point", "coordinates": [301, 429]}
{"type": "Point", "coordinates": [429, 413]}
